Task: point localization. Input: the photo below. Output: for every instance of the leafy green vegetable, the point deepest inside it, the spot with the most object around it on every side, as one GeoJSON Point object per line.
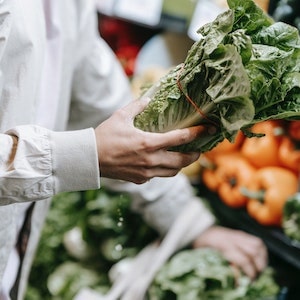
{"type": "Point", "coordinates": [291, 217]}
{"type": "Point", "coordinates": [244, 69]}
{"type": "Point", "coordinates": [107, 230]}
{"type": "Point", "coordinates": [64, 213]}
{"type": "Point", "coordinates": [205, 274]}
{"type": "Point", "coordinates": [110, 231]}
{"type": "Point", "coordinates": [69, 277]}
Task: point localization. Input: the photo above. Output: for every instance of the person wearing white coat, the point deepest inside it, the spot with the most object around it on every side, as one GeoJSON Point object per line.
{"type": "Point", "coordinates": [58, 81]}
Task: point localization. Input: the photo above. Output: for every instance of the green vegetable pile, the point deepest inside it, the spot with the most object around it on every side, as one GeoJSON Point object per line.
{"type": "Point", "coordinates": [205, 274]}
{"type": "Point", "coordinates": [85, 233]}
{"type": "Point", "coordinates": [88, 232]}
{"type": "Point", "coordinates": [291, 218]}
{"type": "Point", "coordinates": [244, 69]}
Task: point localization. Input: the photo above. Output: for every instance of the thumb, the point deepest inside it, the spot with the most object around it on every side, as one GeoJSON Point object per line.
{"type": "Point", "coordinates": [138, 105]}
{"type": "Point", "coordinates": [135, 107]}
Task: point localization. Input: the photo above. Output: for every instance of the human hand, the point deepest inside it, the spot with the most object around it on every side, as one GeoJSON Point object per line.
{"type": "Point", "coordinates": [245, 251]}
{"type": "Point", "coordinates": [128, 153]}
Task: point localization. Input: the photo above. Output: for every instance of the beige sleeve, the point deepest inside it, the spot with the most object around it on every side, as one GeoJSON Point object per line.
{"type": "Point", "coordinates": [36, 163]}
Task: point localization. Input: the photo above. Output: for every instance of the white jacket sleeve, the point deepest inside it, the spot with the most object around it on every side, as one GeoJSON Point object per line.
{"type": "Point", "coordinates": [36, 163]}
{"type": "Point", "coordinates": [161, 200]}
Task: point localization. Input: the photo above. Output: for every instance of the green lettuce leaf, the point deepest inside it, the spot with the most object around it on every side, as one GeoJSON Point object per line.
{"type": "Point", "coordinates": [244, 69]}
{"type": "Point", "coordinates": [208, 77]}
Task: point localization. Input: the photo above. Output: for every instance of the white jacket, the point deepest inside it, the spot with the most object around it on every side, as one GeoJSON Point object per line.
{"type": "Point", "coordinates": [64, 63]}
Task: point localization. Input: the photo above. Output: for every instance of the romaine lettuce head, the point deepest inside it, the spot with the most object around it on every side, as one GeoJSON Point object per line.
{"type": "Point", "coordinates": [203, 89]}
{"type": "Point", "coordinates": [244, 69]}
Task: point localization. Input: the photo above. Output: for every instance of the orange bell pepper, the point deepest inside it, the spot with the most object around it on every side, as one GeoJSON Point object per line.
{"type": "Point", "coordinates": [288, 154]}
{"type": "Point", "coordinates": [210, 176]}
{"type": "Point", "coordinates": [268, 191]}
{"type": "Point", "coordinates": [233, 173]}
{"type": "Point", "coordinates": [226, 146]}
{"type": "Point", "coordinates": [229, 172]}
{"type": "Point", "coordinates": [263, 151]}
{"type": "Point", "coordinates": [209, 179]}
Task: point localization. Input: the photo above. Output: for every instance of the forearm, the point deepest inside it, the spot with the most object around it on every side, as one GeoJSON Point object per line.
{"type": "Point", "coordinates": [37, 163]}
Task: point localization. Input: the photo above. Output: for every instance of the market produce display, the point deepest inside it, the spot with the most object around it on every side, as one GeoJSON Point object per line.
{"type": "Point", "coordinates": [204, 274]}
{"type": "Point", "coordinates": [243, 78]}
{"type": "Point", "coordinates": [268, 191]}
{"type": "Point", "coordinates": [253, 173]}
{"type": "Point", "coordinates": [243, 70]}
{"type": "Point", "coordinates": [85, 233]}
{"type": "Point", "coordinates": [88, 233]}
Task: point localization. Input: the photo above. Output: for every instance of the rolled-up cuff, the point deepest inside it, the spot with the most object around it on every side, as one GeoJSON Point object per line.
{"type": "Point", "coordinates": [75, 160]}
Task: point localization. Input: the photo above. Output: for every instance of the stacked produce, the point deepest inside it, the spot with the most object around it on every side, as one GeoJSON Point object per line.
{"type": "Point", "coordinates": [85, 233]}
{"type": "Point", "coordinates": [88, 233]}
{"type": "Point", "coordinates": [258, 173]}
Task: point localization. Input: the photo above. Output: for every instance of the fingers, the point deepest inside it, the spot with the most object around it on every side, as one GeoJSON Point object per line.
{"type": "Point", "coordinates": [246, 264]}
{"type": "Point", "coordinates": [243, 250]}
{"type": "Point", "coordinates": [184, 136]}
{"type": "Point", "coordinates": [256, 254]}
{"type": "Point", "coordinates": [174, 160]}
{"type": "Point", "coordinates": [167, 164]}
{"type": "Point", "coordinates": [176, 137]}
{"type": "Point", "coordinates": [171, 138]}
{"type": "Point", "coordinates": [251, 256]}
